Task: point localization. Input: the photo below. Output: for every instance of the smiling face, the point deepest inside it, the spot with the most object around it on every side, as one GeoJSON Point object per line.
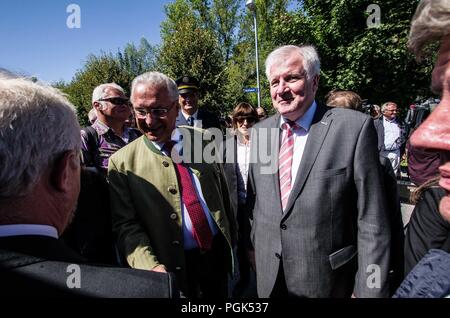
{"type": "Point", "coordinates": [434, 133]}
{"type": "Point", "coordinates": [156, 128]}
{"type": "Point", "coordinates": [113, 106]}
{"type": "Point", "coordinates": [390, 111]}
{"type": "Point", "coordinates": [189, 102]}
{"type": "Point", "coordinates": [291, 91]}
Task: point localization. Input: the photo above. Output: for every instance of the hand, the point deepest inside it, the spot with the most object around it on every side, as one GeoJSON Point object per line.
{"type": "Point", "coordinates": [160, 268]}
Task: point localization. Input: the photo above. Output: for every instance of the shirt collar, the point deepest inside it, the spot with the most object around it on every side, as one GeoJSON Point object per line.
{"type": "Point", "coordinates": [305, 120]}
{"type": "Point", "coordinates": [28, 229]}
{"type": "Point", "coordinates": [176, 136]}
{"type": "Point", "coordinates": [194, 115]}
{"type": "Point", "coordinates": [102, 129]}
{"type": "Point", "coordinates": [389, 120]}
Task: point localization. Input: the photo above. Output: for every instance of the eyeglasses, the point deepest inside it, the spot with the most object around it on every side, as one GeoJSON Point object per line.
{"type": "Point", "coordinates": [115, 100]}
{"type": "Point", "coordinates": [155, 112]}
{"type": "Point", "coordinates": [250, 120]}
{"type": "Point", "coordinates": [392, 110]}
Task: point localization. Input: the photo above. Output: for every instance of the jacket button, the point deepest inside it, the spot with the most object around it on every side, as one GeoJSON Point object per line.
{"type": "Point", "coordinates": [173, 216]}
{"type": "Point", "coordinates": [278, 255]}
{"type": "Point", "coordinates": [165, 164]}
{"type": "Point", "coordinates": [283, 226]}
{"type": "Point", "coordinates": [176, 243]}
{"type": "Point", "coordinates": [172, 190]}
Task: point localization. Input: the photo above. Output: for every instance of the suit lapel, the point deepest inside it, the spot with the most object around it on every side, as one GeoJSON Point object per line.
{"type": "Point", "coordinates": [274, 142]}
{"type": "Point", "coordinates": [181, 121]}
{"type": "Point", "coordinates": [317, 133]}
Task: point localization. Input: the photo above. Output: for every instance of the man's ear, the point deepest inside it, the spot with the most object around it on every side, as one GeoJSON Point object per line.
{"type": "Point", "coordinates": [98, 106]}
{"type": "Point", "coordinates": [316, 82]}
{"type": "Point", "coordinates": [61, 176]}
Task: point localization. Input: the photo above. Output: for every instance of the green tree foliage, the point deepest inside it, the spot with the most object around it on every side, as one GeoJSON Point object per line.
{"type": "Point", "coordinates": [371, 61]}
{"type": "Point", "coordinates": [119, 68]}
{"type": "Point", "coordinates": [268, 13]}
{"type": "Point", "coordinates": [191, 49]}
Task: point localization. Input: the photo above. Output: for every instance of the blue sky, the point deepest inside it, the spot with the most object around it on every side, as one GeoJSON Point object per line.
{"type": "Point", "coordinates": [36, 41]}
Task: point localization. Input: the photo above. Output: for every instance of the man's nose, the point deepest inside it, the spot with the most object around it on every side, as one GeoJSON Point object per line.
{"type": "Point", "coordinates": [149, 119]}
{"type": "Point", "coordinates": [282, 86]}
{"type": "Point", "coordinates": [434, 132]}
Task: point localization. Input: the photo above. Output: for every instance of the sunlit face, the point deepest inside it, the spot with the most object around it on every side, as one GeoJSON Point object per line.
{"type": "Point", "coordinates": [390, 112]}
{"type": "Point", "coordinates": [434, 133]}
{"type": "Point", "coordinates": [114, 105]}
{"type": "Point", "coordinates": [292, 93]}
{"type": "Point", "coordinates": [188, 102]}
{"type": "Point", "coordinates": [244, 124]}
{"type": "Point", "coordinates": [158, 126]}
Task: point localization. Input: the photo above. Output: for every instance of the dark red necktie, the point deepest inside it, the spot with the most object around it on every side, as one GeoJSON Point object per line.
{"type": "Point", "coordinates": [200, 227]}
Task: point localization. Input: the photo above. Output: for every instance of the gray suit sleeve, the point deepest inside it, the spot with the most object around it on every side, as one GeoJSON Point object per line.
{"type": "Point", "coordinates": [374, 231]}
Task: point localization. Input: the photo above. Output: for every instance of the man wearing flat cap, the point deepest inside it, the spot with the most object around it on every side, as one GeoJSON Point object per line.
{"type": "Point", "coordinates": [189, 113]}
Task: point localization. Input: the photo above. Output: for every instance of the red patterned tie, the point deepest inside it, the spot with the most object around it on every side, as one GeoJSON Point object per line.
{"type": "Point", "coordinates": [285, 161]}
{"type": "Point", "coordinates": [200, 227]}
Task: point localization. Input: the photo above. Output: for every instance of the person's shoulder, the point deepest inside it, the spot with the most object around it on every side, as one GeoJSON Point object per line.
{"type": "Point", "coordinates": [270, 122]}
{"type": "Point", "coordinates": [347, 116]}
{"type": "Point", "coordinates": [128, 150]}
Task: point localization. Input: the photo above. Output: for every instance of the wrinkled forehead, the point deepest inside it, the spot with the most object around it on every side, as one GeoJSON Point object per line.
{"type": "Point", "coordinates": [291, 65]}
{"type": "Point", "coordinates": [112, 92]}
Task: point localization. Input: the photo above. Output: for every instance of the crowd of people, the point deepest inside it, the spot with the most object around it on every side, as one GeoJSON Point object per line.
{"type": "Point", "coordinates": [150, 202]}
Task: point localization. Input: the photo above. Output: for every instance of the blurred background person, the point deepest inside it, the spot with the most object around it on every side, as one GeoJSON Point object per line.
{"type": "Point", "coordinates": [109, 132]}
{"type": "Point", "coordinates": [190, 114]}
{"type": "Point", "coordinates": [391, 133]}
{"type": "Point", "coordinates": [375, 112]}
{"type": "Point", "coordinates": [237, 155]}
{"type": "Point", "coordinates": [345, 99]}
{"type": "Point", "coordinates": [262, 114]}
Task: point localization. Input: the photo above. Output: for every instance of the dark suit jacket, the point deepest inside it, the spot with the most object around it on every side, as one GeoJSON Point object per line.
{"type": "Point", "coordinates": [395, 215]}
{"type": "Point", "coordinates": [334, 232]}
{"type": "Point", "coordinates": [208, 119]}
{"type": "Point", "coordinates": [229, 168]}
{"type": "Point", "coordinates": [41, 266]}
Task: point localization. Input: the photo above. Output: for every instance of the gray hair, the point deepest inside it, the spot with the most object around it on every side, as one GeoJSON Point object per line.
{"type": "Point", "coordinates": [311, 61]}
{"type": "Point", "coordinates": [158, 80]}
{"type": "Point", "coordinates": [37, 124]}
{"type": "Point", "coordinates": [385, 105]}
{"type": "Point", "coordinates": [99, 91]}
{"type": "Point", "coordinates": [430, 23]}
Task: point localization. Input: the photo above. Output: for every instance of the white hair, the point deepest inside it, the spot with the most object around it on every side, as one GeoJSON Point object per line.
{"type": "Point", "coordinates": [385, 105]}
{"type": "Point", "coordinates": [99, 91]}
{"type": "Point", "coordinates": [308, 53]}
{"type": "Point", "coordinates": [37, 124]}
{"type": "Point", "coordinates": [430, 23]}
{"type": "Point", "coordinates": [156, 79]}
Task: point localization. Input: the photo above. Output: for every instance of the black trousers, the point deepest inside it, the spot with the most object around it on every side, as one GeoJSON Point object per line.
{"type": "Point", "coordinates": [207, 272]}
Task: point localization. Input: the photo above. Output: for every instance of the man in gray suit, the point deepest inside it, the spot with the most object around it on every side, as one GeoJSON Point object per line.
{"type": "Point", "coordinates": [320, 227]}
